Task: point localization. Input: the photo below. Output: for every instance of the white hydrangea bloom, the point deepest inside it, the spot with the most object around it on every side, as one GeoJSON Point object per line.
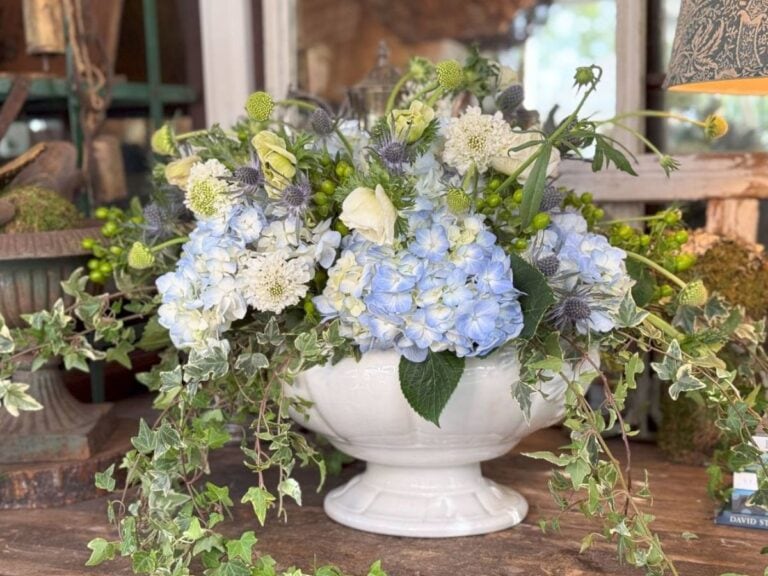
{"type": "Point", "coordinates": [475, 139]}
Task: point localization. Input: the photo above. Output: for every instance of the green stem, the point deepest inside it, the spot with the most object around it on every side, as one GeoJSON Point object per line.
{"type": "Point", "coordinates": [657, 267]}
{"type": "Point", "coordinates": [633, 219]}
{"type": "Point", "coordinates": [640, 137]}
{"type": "Point", "coordinates": [653, 114]}
{"type": "Point", "coordinates": [396, 90]}
{"type": "Point", "coordinates": [664, 326]}
{"type": "Point", "coordinates": [426, 90]}
{"type": "Point", "coordinates": [436, 95]}
{"type": "Point", "coordinates": [168, 243]}
{"type": "Point", "coordinates": [312, 107]}
{"type": "Point", "coordinates": [191, 134]}
{"type": "Point", "coordinates": [552, 138]}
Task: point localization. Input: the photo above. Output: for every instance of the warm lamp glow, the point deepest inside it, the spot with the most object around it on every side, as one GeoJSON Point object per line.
{"type": "Point", "coordinates": [720, 46]}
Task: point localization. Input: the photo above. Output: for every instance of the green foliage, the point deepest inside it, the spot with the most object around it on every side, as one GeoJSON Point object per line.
{"type": "Point", "coordinates": [428, 385]}
{"type": "Point", "coordinates": [536, 297]}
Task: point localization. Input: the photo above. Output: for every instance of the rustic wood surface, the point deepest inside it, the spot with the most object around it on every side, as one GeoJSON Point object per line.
{"type": "Point", "coordinates": [52, 541]}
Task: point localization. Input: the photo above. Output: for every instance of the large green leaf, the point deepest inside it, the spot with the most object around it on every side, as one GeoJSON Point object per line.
{"type": "Point", "coordinates": [533, 189]}
{"type": "Point", "coordinates": [429, 385]}
{"type": "Point", "coordinates": [537, 296]}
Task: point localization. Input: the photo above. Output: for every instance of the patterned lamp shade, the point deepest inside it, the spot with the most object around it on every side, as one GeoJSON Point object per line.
{"type": "Point", "coordinates": [720, 46]}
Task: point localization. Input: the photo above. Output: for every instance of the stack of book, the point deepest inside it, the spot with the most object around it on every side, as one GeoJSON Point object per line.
{"type": "Point", "coordinates": [745, 509]}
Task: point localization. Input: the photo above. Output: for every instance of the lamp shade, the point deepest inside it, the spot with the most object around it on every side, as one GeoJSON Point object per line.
{"type": "Point", "coordinates": [720, 46]}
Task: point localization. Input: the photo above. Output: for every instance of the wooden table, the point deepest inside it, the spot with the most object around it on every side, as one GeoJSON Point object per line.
{"type": "Point", "coordinates": [52, 542]}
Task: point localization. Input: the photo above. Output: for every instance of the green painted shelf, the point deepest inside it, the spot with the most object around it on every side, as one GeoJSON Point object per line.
{"type": "Point", "coordinates": [123, 93]}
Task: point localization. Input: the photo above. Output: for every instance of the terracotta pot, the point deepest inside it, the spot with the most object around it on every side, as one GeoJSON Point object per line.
{"type": "Point", "coordinates": [421, 480]}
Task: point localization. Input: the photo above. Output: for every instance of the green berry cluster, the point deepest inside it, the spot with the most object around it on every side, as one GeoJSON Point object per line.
{"type": "Point", "coordinates": [325, 181]}
{"type": "Point", "coordinates": [661, 240]}
{"type": "Point", "coordinates": [110, 254]}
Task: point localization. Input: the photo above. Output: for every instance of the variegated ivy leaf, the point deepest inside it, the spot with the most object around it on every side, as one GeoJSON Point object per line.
{"type": "Point", "coordinates": [210, 363]}
{"type": "Point", "coordinates": [673, 360]}
{"type": "Point", "coordinates": [7, 344]}
{"type": "Point", "coordinates": [629, 314]}
{"type": "Point", "coordinates": [685, 381]}
{"type": "Point", "coordinates": [14, 398]}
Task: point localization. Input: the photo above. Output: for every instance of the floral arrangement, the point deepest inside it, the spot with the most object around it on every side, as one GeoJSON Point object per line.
{"type": "Point", "coordinates": [439, 232]}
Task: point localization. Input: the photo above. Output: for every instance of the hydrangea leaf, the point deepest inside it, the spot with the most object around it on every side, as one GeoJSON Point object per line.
{"type": "Point", "coordinates": [428, 385]}
{"type": "Point", "coordinates": [537, 296]}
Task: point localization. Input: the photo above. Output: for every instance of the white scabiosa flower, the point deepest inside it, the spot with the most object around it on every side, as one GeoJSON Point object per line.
{"type": "Point", "coordinates": [475, 139]}
{"type": "Point", "coordinates": [208, 193]}
{"type": "Point", "coordinates": [272, 282]}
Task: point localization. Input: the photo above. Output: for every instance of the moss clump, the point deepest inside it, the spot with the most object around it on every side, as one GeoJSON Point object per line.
{"type": "Point", "coordinates": [39, 210]}
{"type": "Point", "coordinates": [739, 272]}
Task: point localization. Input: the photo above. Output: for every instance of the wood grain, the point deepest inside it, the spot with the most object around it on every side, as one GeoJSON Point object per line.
{"type": "Point", "coordinates": [52, 541]}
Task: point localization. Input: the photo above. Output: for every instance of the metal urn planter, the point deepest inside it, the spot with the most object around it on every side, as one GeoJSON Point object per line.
{"type": "Point", "coordinates": [32, 266]}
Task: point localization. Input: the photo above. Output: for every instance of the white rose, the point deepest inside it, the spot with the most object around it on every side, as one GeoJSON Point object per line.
{"type": "Point", "coordinates": [513, 160]}
{"type": "Point", "coordinates": [371, 213]}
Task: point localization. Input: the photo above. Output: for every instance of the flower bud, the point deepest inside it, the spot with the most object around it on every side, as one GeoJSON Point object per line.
{"type": "Point", "coordinates": [694, 294]}
{"type": "Point", "coordinates": [715, 126]}
{"type": "Point", "coordinates": [584, 76]}
{"type": "Point", "coordinates": [450, 74]}
{"type": "Point", "coordinates": [162, 141]}
{"type": "Point", "coordinates": [458, 201]}
{"type": "Point", "coordinates": [140, 257]}
{"type": "Point", "coordinates": [321, 122]}
{"type": "Point", "coordinates": [259, 106]}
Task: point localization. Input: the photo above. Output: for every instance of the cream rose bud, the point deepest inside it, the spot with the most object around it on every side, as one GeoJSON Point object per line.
{"type": "Point", "coordinates": [278, 165]}
{"type": "Point", "coordinates": [514, 159]}
{"type": "Point", "coordinates": [371, 213]}
{"type": "Point", "coordinates": [410, 124]}
{"type": "Point", "coordinates": [177, 172]}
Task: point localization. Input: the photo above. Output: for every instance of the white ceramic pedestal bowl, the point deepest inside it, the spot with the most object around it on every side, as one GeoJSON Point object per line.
{"type": "Point", "coordinates": [421, 480]}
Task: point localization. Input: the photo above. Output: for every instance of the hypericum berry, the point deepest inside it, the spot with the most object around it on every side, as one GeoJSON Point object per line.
{"type": "Point", "coordinates": [715, 126]}
{"type": "Point", "coordinates": [672, 216]}
{"type": "Point", "coordinates": [510, 99]}
{"type": "Point", "coordinates": [259, 106]}
{"type": "Point", "coordinates": [321, 122]}
{"type": "Point", "coordinates": [549, 265]}
{"type": "Point", "coordinates": [694, 294]}
{"type": "Point", "coordinates": [115, 250]}
{"type": "Point", "coordinates": [684, 262]}
{"type": "Point", "coordinates": [93, 264]}
{"type": "Point", "coordinates": [320, 199]}
{"type": "Point", "coordinates": [102, 212]}
{"type": "Point", "coordinates": [517, 196]}
{"type": "Point", "coordinates": [450, 74]}
{"type": "Point", "coordinates": [540, 221]}
{"type": "Point", "coordinates": [681, 237]}
{"type": "Point", "coordinates": [88, 243]}
{"type": "Point", "coordinates": [327, 187]}
{"type": "Point", "coordinates": [163, 142]}
{"type": "Point", "coordinates": [140, 257]}
{"type": "Point", "coordinates": [520, 244]}
{"type": "Point", "coordinates": [586, 197]}
{"type": "Point", "coordinates": [493, 199]}
{"type": "Point", "coordinates": [341, 228]}
{"type": "Point", "coordinates": [494, 183]}
{"type": "Point", "coordinates": [109, 229]}
{"type": "Point", "coordinates": [96, 277]}
{"type": "Point", "coordinates": [458, 201]}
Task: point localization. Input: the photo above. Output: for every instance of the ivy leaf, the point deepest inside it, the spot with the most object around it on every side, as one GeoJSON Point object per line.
{"type": "Point", "coordinates": [242, 548]}
{"type": "Point", "coordinates": [14, 398]}
{"type": "Point", "coordinates": [537, 296]}
{"type": "Point", "coordinates": [578, 470]}
{"type": "Point", "coordinates": [153, 337]}
{"type": "Point", "coordinates": [250, 363]}
{"type": "Point", "coordinates": [629, 314]}
{"type": "Point", "coordinates": [556, 459]}
{"type": "Point", "coordinates": [106, 480]}
{"type": "Point", "coordinates": [101, 550]}
{"type": "Point", "coordinates": [146, 441]}
{"type": "Point", "coordinates": [143, 562]}
{"type": "Point", "coordinates": [428, 385]}
{"type": "Point", "coordinates": [376, 569]}
{"type": "Point", "coordinates": [685, 381]}
{"type": "Point", "coordinates": [6, 340]}
{"type": "Point", "coordinates": [194, 531]}
{"type": "Point", "coordinates": [235, 568]}
{"type": "Point", "coordinates": [289, 487]}
{"type": "Point", "coordinates": [261, 500]}
{"type": "Point", "coordinates": [209, 364]}
{"type": "Point", "coordinates": [533, 189]}
{"type": "Point", "coordinates": [119, 353]}
{"type": "Point", "coordinates": [673, 360]}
